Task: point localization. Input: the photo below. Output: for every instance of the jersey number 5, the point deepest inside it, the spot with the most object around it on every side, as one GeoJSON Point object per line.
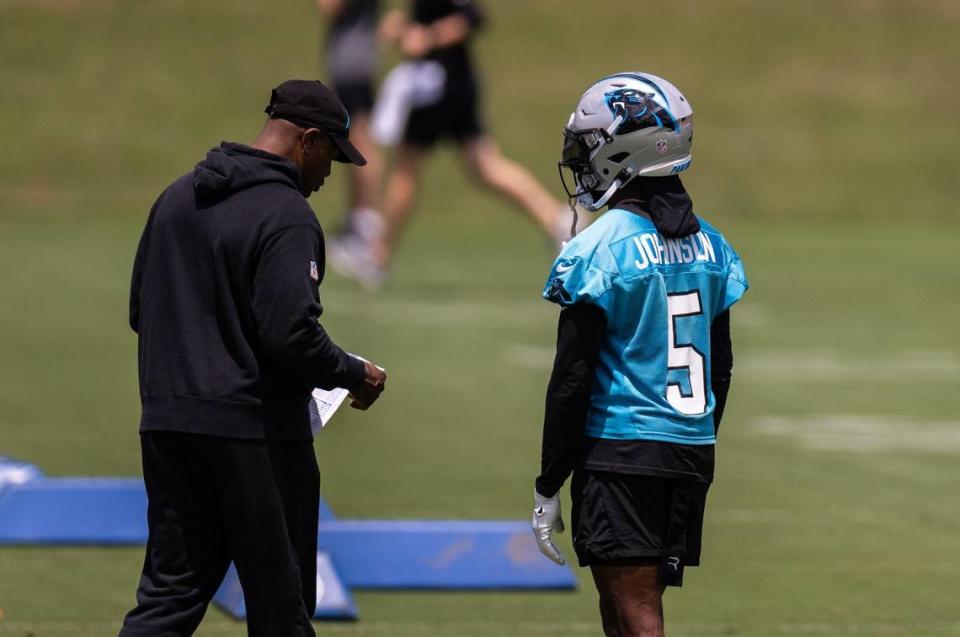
{"type": "Point", "coordinates": [685, 357]}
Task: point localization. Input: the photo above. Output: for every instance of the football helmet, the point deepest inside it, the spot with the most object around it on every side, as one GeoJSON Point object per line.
{"type": "Point", "coordinates": [625, 126]}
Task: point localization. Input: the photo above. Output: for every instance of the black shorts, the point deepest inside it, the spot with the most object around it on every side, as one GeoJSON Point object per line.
{"type": "Point", "coordinates": [623, 519]}
{"type": "Point", "coordinates": [357, 97]}
{"type": "Point", "coordinates": [456, 115]}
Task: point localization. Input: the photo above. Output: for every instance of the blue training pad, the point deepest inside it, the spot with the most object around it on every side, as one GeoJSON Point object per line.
{"type": "Point", "coordinates": [440, 554]}
{"type": "Point", "coordinates": [374, 554]}
{"type": "Point", "coordinates": [74, 511]}
{"type": "Point", "coordinates": [104, 511]}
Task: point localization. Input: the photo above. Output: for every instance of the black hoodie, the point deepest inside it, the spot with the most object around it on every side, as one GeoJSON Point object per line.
{"type": "Point", "coordinates": [225, 300]}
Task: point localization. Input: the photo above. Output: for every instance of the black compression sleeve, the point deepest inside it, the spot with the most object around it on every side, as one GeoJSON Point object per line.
{"type": "Point", "coordinates": [579, 333]}
{"type": "Point", "coordinates": [721, 364]}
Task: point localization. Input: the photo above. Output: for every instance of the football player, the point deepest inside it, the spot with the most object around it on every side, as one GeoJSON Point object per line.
{"type": "Point", "coordinates": [643, 358]}
{"type": "Point", "coordinates": [442, 31]}
{"type": "Point", "coordinates": [351, 57]}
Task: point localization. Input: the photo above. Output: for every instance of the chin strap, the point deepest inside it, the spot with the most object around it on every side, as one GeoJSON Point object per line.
{"type": "Point", "coordinates": [587, 201]}
{"type": "Point", "coordinates": [591, 204]}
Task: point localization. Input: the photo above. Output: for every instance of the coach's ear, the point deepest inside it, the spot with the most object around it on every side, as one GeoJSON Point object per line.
{"type": "Point", "coordinates": [314, 141]}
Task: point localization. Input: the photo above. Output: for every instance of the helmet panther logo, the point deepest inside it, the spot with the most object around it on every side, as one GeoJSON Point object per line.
{"type": "Point", "coordinates": [639, 110]}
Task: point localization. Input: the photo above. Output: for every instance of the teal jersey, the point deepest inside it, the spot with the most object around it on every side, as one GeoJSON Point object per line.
{"type": "Point", "coordinates": [660, 297]}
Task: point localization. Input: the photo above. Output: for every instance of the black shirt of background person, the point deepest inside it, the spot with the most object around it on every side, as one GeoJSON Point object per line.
{"type": "Point", "coordinates": [355, 13]}
{"type": "Point", "coordinates": [455, 59]}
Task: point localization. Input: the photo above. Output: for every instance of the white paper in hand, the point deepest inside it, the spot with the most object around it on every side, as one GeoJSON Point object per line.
{"type": "Point", "coordinates": [325, 402]}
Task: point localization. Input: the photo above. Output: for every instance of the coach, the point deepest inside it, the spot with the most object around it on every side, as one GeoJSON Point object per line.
{"type": "Point", "coordinates": [225, 301]}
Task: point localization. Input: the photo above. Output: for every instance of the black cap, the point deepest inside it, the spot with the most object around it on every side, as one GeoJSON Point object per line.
{"type": "Point", "coordinates": [310, 104]}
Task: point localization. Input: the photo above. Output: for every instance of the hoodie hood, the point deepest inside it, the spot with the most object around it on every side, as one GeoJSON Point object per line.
{"type": "Point", "coordinates": [667, 202]}
{"type": "Point", "coordinates": [232, 167]}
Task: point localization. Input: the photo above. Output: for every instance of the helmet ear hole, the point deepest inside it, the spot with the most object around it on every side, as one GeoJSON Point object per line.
{"type": "Point", "coordinates": [617, 158]}
{"type": "Point", "coordinates": [606, 171]}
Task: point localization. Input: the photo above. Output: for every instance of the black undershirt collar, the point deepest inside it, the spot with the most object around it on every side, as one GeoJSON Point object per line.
{"type": "Point", "coordinates": [666, 201]}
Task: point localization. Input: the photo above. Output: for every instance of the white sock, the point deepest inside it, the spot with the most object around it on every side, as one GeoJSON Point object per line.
{"type": "Point", "coordinates": [368, 223]}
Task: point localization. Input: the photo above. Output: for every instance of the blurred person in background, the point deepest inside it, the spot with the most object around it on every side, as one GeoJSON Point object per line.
{"type": "Point", "coordinates": [440, 31]}
{"type": "Point", "coordinates": [225, 302]}
{"type": "Point", "coordinates": [644, 357]}
{"type": "Point", "coordinates": [351, 54]}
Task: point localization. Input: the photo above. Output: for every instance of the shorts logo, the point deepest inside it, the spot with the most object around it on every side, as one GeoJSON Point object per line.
{"type": "Point", "coordinates": [674, 562]}
{"type": "Point", "coordinates": [662, 146]}
{"type": "Point", "coordinates": [314, 271]}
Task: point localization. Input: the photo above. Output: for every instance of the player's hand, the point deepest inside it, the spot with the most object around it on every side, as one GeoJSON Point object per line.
{"type": "Point", "coordinates": [365, 394]}
{"type": "Point", "coordinates": [546, 520]}
{"type": "Point", "coordinates": [416, 41]}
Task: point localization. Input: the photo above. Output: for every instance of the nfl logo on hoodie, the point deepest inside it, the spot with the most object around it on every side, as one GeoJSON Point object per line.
{"type": "Point", "coordinates": [314, 271]}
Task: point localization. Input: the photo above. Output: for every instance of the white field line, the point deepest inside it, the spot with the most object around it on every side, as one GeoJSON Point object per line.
{"type": "Point", "coordinates": [904, 366]}
{"type": "Point", "coordinates": [871, 628]}
{"type": "Point", "coordinates": [521, 628]}
{"type": "Point", "coordinates": [865, 434]}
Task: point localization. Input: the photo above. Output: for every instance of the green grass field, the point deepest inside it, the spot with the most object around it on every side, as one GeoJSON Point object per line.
{"type": "Point", "coordinates": [825, 148]}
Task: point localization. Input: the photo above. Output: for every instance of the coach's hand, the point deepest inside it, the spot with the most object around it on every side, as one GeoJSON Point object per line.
{"type": "Point", "coordinates": [546, 520]}
{"type": "Point", "coordinates": [365, 394]}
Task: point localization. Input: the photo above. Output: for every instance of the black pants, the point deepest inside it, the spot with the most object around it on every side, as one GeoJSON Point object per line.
{"type": "Point", "coordinates": [213, 500]}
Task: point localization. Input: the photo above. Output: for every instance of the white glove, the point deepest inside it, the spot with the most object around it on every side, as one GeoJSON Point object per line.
{"type": "Point", "coordinates": [546, 520]}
